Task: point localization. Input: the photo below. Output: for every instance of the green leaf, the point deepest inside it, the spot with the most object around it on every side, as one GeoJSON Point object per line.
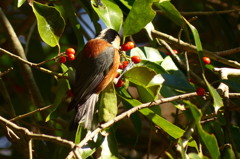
{"type": "Point", "coordinates": [209, 140]}
{"type": "Point", "coordinates": [135, 117]}
{"type": "Point", "coordinates": [217, 99]}
{"type": "Point", "coordinates": [107, 104]}
{"type": "Point", "coordinates": [227, 152]}
{"type": "Point", "coordinates": [146, 96]}
{"type": "Point", "coordinates": [174, 73]}
{"type": "Point", "coordinates": [72, 17]}
{"type": "Point", "coordinates": [79, 134]}
{"type": "Point", "coordinates": [110, 13]}
{"type": "Point", "coordinates": [86, 4]}
{"type": "Point", "coordinates": [170, 11]}
{"type": "Point", "coordinates": [152, 54]}
{"type": "Point", "coordinates": [127, 3]}
{"type": "Point", "coordinates": [145, 77]}
{"type": "Point", "coordinates": [62, 88]}
{"type": "Point", "coordinates": [50, 23]}
{"type": "Point", "coordinates": [109, 146]}
{"type": "Point", "coordinates": [168, 127]}
{"type": "Point", "coordinates": [91, 147]}
{"type": "Point", "coordinates": [138, 52]}
{"type": "Point", "coordinates": [142, 9]}
{"type": "Point", "coordinates": [20, 3]}
{"type": "Point", "coordinates": [197, 43]}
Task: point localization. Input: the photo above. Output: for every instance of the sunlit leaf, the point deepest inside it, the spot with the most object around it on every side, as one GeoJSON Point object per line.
{"type": "Point", "coordinates": [92, 145]}
{"type": "Point", "coordinates": [109, 146]}
{"type": "Point", "coordinates": [217, 99]}
{"type": "Point", "coordinates": [50, 23]}
{"type": "Point", "coordinates": [137, 52]}
{"type": "Point", "coordinates": [20, 3]}
{"type": "Point", "coordinates": [209, 141]}
{"type": "Point", "coordinates": [168, 127]}
{"type": "Point", "coordinates": [73, 19]}
{"type": "Point", "coordinates": [127, 3]}
{"type": "Point", "coordinates": [62, 88]}
{"type": "Point", "coordinates": [107, 109]}
{"type": "Point", "coordinates": [133, 24]}
{"type": "Point", "coordinates": [227, 152]}
{"type": "Point", "coordinates": [135, 117]}
{"type": "Point", "coordinates": [110, 13]}
{"type": "Point", "coordinates": [170, 11]}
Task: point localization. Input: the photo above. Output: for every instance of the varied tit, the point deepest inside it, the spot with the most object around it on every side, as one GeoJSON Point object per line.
{"type": "Point", "coordinates": [96, 66]}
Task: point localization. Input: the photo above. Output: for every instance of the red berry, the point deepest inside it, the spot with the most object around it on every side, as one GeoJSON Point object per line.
{"type": "Point", "coordinates": [70, 51]}
{"type": "Point", "coordinates": [175, 51]}
{"type": "Point", "coordinates": [62, 59]}
{"type": "Point", "coordinates": [135, 59]}
{"type": "Point", "coordinates": [120, 66]}
{"type": "Point", "coordinates": [117, 75]}
{"type": "Point", "coordinates": [206, 60]}
{"type": "Point", "coordinates": [125, 63]}
{"type": "Point", "coordinates": [191, 80]}
{"type": "Point", "coordinates": [119, 83]}
{"type": "Point", "coordinates": [128, 46]}
{"type": "Point", "coordinates": [200, 91]}
{"type": "Point", "coordinates": [70, 93]}
{"type": "Point", "coordinates": [71, 57]}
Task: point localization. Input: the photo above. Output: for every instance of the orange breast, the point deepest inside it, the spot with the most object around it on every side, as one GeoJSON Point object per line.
{"type": "Point", "coordinates": [111, 74]}
{"type": "Point", "coordinates": [94, 47]}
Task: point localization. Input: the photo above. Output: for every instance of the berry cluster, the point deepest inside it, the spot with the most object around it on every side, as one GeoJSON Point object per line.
{"type": "Point", "coordinates": [135, 59]}
{"type": "Point", "coordinates": [70, 55]}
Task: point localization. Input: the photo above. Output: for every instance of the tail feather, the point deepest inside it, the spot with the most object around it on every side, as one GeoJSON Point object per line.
{"type": "Point", "coordinates": [85, 113]}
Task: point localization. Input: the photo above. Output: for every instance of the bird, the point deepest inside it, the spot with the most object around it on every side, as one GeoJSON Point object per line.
{"type": "Point", "coordinates": [96, 66]}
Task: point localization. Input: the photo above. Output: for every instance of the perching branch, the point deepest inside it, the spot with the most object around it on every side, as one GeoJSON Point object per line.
{"type": "Point", "coordinates": [15, 129]}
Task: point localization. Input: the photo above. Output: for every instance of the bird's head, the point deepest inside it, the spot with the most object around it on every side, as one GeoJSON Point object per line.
{"type": "Point", "coordinates": [110, 36]}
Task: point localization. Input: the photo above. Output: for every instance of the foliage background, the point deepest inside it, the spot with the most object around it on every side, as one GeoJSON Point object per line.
{"type": "Point", "coordinates": [63, 24]}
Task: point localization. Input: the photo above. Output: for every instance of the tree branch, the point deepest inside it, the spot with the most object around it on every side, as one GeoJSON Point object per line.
{"type": "Point", "coordinates": [37, 66]}
{"type": "Point", "coordinates": [204, 12]}
{"type": "Point", "coordinates": [193, 49]}
{"type": "Point", "coordinates": [26, 70]}
{"type": "Point", "coordinates": [31, 113]}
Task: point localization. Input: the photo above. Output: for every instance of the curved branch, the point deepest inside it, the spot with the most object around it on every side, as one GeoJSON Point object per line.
{"type": "Point", "coordinates": [191, 48]}
{"type": "Point", "coordinates": [26, 70]}
{"type": "Point", "coordinates": [37, 66]}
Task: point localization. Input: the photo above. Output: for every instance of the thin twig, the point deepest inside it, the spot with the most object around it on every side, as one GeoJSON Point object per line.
{"type": "Point", "coordinates": [128, 113]}
{"type": "Point", "coordinates": [6, 72]}
{"type": "Point", "coordinates": [7, 99]}
{"type": "Point", "coordinates": [31, 135]}
{"type": "Point", "coordinates": [31, 113]}
{"type": "Point", "coordinates": [31, 64]}
{"type": "Point", "coordinates": [51, 59]}
{"type": "Point", "coordinates": [204, 12]}
{"type": "Point", "coordinates": [228, 52]}
{"type": "Point", "coordinates": [193, 49]}
{"type": "Point", "coordinates": [179, 61]}
{"type": "Point", "coordinates": [30, 149]}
